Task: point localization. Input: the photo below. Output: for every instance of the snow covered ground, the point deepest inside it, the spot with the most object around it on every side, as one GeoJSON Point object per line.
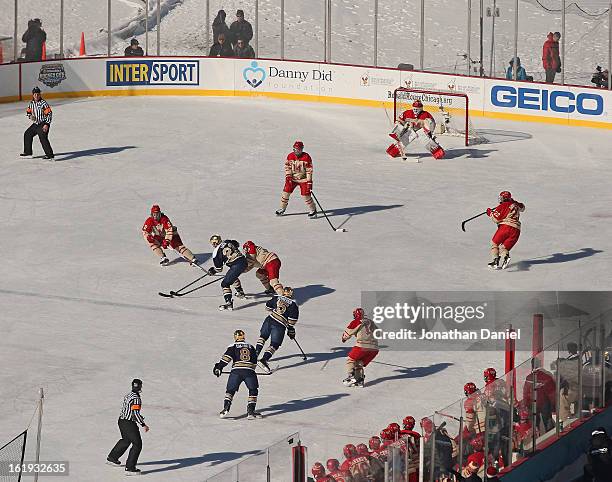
{"type": "Point", "coordinates": [183, 30]}
{"type": "Point", "coordinates": [81, 315]}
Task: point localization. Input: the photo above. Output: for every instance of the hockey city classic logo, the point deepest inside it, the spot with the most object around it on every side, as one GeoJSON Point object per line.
{"type": "Point", "coordinates": [254, 75]}
{"type": "Point", "coordinates": [52, 74]}
{"type": "Point", "coordinates": [152, 72]}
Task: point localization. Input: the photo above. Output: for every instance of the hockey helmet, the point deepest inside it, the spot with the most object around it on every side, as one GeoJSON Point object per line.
{"type": "Point", "coordinates": [358, 313]}
{"type": "Point", "coordinates": [427, 425]}
{"type": "Point", "coordinates": [362, 449]}
{"type": "Point", "coordinates": [299, 145]}
{"type": "Point", "coordinates": [136, 385]}
{"type": "Point", "coordinates": [409, 422]}
{"type": "Point", "coordinates": [417, 107]}
{"type": "Point", "coordinates": [477, 442]}
{"type": "Point", "coordinates": [239, 336]}
{"type": "Point", "coordinates": [374, 442]}
{"type": "Point", "coordinates": [288, 291]}
{"type": "Point", "coordinates": [469, 388]}
{"type": "Point", "coordinates": [505, 196]}
{"type": "Point", "coordinates": [333, 465]}
{"type": "Point", "coordinates": [318, 470]}
{"type": "Point", "coordinates": [249, 247]}
{"type": "Point", "coordinates": [156, 212]}
{"type": "Point", "coordinates": [215, 240]}
{"type": "Point", "coordinates": [349, 450]}
{"type": "Point", "coordinates": [386, 434]}
{"type": "Point", "coordinates": [490, 375]}
{"type": "Point", "coordinates": [394, 427]}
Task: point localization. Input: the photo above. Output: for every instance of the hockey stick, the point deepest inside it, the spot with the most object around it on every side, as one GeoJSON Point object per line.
{"type": "Point", "coordinates": [303, 354]}
{"type": "Point", "coordinates": [473, 217]}
{"type": "Point", "coordinates": [169, 295]}
{"type": "Point", "coordinates": [174, 293]}
{"type": "Point", "coordinates": [338, 230]}
{"type": "Point", "coordinates": [192, 264]}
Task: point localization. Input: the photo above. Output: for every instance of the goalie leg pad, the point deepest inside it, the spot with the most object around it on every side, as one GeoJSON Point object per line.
{"type": "Point", "coordinates": [394, 151]}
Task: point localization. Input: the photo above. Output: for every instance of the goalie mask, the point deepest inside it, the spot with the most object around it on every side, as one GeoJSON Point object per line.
{"type": "Point", "coordinates": [215, 240]}
{"type": "Point", "coordinates": [417, 107]}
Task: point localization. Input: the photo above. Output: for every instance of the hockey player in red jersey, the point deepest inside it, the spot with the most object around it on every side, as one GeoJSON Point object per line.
{"type": "Point", "coordinates": [412, 124]}
{"type": "Point", "coordinates": [506, 217]}
{"type": "Point", "coordinates": [337, 474]}
{"type": "Point", "coordinates": [489, 375]}
{"type": "Point", "coordinates": [268, 266]}
{"type": "Point", "coordinates": [362, 467]}
{"type": "Point", "coordinates": [298, 172]}
{"type": "Point", "coordinates": [364, 351]}
{"type": "Point", "coordinates": [159, 232]}
{"type": "Point", "coordinates": [410, 434]}
{"type": "Point", "coordinates": [377, 450]}
{"type": "Point", "coordinates": [318, 471]}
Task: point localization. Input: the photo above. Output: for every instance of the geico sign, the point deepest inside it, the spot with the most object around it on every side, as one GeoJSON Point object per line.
{"type": "Point", "coordinates": [543, 99]}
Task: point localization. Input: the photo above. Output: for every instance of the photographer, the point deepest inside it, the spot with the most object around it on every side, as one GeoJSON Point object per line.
{"type": "Point", "coordinates": [34, 38]}
{"type": "Point", "coordinates": [600, 78]}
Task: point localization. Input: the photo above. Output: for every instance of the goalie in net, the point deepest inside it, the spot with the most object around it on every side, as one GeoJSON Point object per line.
{"type": "Point", "coordinates": [449, 112]}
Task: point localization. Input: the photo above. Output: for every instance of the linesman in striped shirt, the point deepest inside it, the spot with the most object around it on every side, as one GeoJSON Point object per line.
{"type": "Point", "coordinates": [130, 434]}
{"type": "Point", "coordinates": [39, 112]}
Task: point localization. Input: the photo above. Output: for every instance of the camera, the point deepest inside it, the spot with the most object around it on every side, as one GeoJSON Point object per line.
{"type": "Point", "coordinates": [600, 78]}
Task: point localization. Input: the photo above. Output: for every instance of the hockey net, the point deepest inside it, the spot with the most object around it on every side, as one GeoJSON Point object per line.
{"type": "Point", "coordinates": [449, 109]}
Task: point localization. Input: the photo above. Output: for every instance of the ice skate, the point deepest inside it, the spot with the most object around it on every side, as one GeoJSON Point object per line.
{"type": "Point", "coordinates": [494, 264]}
{"type": "Point", "coordinates": [229, 306]}
{"type": "Point", "coordinates": [164, 261]}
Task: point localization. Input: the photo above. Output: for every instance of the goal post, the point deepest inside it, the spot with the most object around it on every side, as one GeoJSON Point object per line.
{"type": "Point", "coordinates": [451, 111]}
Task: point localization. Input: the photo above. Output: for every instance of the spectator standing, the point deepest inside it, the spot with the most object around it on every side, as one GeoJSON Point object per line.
{"type": "Point", "coordinates": [550, 56]}
{"type": "Point", "coordinates": [220, 27]}
{"type": "Point", "coordinates": [39, 112]}
{"type": "Point", "coordinates": [134, 50]}
{"type": "Point", "coordinates": [34, 38]}
{"type": "Point", "coordinates": [221, 48]}
{"type": "Point", "coordinates": [130, 434]}
{"type": "Point", "coordinates": [521, 74]}
{"type": "Point", "coordinates": [241, 29]}
{"type": "Point", "coordinates": [243, 50]}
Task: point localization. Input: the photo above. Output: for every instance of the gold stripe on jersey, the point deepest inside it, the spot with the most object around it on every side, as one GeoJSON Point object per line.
{"type": "Point", "coordinates": [226, 359]}
{"type": "Point", "coordinates": [244, 364]}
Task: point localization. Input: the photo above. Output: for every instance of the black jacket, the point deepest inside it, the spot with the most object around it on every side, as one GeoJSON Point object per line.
{"type": "Point", "coordinates": [34, 37]}
{"type": "Point", "coordinates": [245, 52]}
{"type": "Point", "coordinates": [219, 50]}
{"type": "Point", "coordinates": [130, 52]}
{"type": "Point", "coordinates": [220, 27]}
{"type": "Point", "coordinates": [599, 460]}
{"type": "Point", "coordinates": [241, 30]}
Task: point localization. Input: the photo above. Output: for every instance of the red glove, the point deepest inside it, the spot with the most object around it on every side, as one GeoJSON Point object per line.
{"type": "Point", "coordinates": [151, 239]}
{"type": "Point", "coordinates": [309, 187]}
{"type": "Point", "coordinates": [165, 243]}
{"type": "Point", "coordinates": [288, 177]}
{"type": "Point", "coordinates": [489, 211]}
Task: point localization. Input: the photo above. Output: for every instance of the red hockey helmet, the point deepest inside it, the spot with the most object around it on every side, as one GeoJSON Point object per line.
{"type": "Point", "coordinates": [249, 247]}
{"type": "Point", "coordinates": [318, 470]}
{"type": "Point", "coordinates": [490, 375]}
{"type": "Point", "coordinates": [333, 465]}
{"type": "Point", "coordinates": [505, 196]}
{"type": "Point", "coordinates": [524, 414]}
{"type": "Point", "coordinates": [358, 313]}
{"type": "Point", "coordinates": [362, 449]}
{"type": "Point", "coordinates": [427, 425]}
{"type": "Point", "coordinates": [409, 422]}
{"type": "Point", "coordinates": [155, 212]}
{"type": "Point", "coordinates": [477, 442]}
{"type": "Point", "coordinates": [417, 107]}
{"type": "Point", "coordinates": [394, 427]}
{"type": "Point", "coordinates": [469, 388]}
{"type": "Point", "coordinates": [374, 443]}
{"type": "Point", "coordinates": [349, 450]}
{"type": "Point", "coordinates": [298, 145]}
{"type": "Point", "coordinates": [386, 434]}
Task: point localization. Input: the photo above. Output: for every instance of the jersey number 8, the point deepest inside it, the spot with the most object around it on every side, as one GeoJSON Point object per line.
{"type": "Point", "coordinates": [245, 354]}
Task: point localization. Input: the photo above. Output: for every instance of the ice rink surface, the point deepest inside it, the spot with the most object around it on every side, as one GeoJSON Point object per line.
{"type": "Point", "coordinates": [81, 315]}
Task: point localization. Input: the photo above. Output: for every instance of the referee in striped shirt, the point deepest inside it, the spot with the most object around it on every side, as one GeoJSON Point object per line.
{"type": "Point", "coordinates": [39, 112]}
{"type": "Point", "coordinates": [130, 434]}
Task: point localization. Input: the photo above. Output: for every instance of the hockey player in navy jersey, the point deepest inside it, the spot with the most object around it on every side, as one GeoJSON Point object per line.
{"type": "Point", "coordinates": [243, 358]}
{"type": "Point", "coordinates": [228, 253]}
{"type": "Point", "coordinates": [283, 315]}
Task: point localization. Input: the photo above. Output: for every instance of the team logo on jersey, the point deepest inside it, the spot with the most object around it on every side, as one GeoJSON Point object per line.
{"type": "Point", "coordinates": [152, 72]}
{"type": "Point", "coordinates": [52, 74]}
{"type": "Point", "coordinates": [254, 75]}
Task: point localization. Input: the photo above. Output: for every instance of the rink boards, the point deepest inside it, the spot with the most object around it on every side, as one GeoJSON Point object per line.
{"type": "Point", "coordinates": [304, 81]}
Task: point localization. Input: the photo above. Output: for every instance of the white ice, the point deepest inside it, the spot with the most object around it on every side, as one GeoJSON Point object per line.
{"type": "Point", "coordinates": [80, 311]}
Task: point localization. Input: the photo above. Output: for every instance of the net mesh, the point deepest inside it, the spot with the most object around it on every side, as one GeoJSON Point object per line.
{"type": "Point", "coordinates": [449, 109]}
{"type": "Point", "coordinates": [11, 457]}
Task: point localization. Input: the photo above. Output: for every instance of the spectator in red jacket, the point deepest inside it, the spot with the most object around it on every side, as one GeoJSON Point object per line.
{"type": "Point", "coordinates": [550, 56]}
{"type": "Point", "coordinates": [545, 392]}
